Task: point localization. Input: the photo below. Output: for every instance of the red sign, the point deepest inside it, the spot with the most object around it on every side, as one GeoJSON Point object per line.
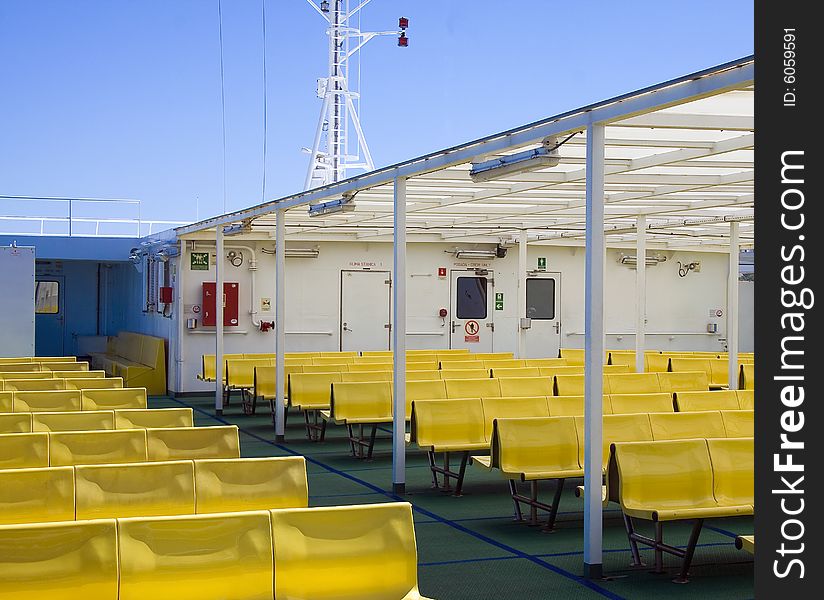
{"type": "Point", "coordinates": [441, 271]}
{"type": "Point", "coordinates": [472, 328]}
{"type": "Point", "coordinates": [471, 339]}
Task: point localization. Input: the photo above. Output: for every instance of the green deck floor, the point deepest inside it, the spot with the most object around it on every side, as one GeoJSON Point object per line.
{"type": "Point", "coordinates": [470, 547]}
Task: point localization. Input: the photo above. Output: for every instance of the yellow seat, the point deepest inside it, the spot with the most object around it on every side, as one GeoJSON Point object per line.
{"type": "Point", "coordinates": [622, 404]}
{"type": "Point", "coordinates": [311, 391]}
{"type": "Point", "coordinates": [536, 448]}
{"type": "Point", "coordinates": [264, 380]}
{"type": "Point", "coordinates": [333, 360]}
{"type": "Point", "coordinates": [15, 422]}
{"type": "Point", "coordinates": [18, 367]}
{"type": "Point", "coordinates": [365, 376]}
{"type": "Point", "coordinates": [678, 426]}
{"type": "Point", "coordinates": [365, 552]}
{"type": "Point", "coordinates": [573, 385]}
{"type": "Point", "coordinates": [573, 356]}
{"type": "Point", "coordinates": [196, 557]}
{"type": "Point", "coordinates": [656, 362]}
{"type": "Point", "coordinates": [738, 423]}
{"type": "Point", "coordinates": [616, 428]}
{"type": "Point", "coordinates": [26, 375]}
{"type": "Point", "coordinates": [78, 373]}
{"type": "Point", "coordinates": [746, 376]}
{"type": "Point", "coordinates": [546, 362]}
{"type": "Point", "coordinates": [96, 447]}
{"type": "Point", "coordinates": [473, 388]}
{"type": "Point", "coordinates": [464, 374]}
{"type": "Point", "coordinates": [427, 375]}
{"type": "Point", "coordinates": [113, 399]}
{"type": "Point", "coordinates": [226, 485]}
{"type": "Point", "coordinates": [432, 389]}
{"type": "Point", "coordinates": [684, 381]}
{"type": "Point", "coordinates": [73, 421]}
{"type": "Point", "coordinates": [633, 383]}
{"type": "Point", "coordinates": [461, 362]}
{"type": "Point", "coordinates": [449, 425]}
{"type": "Point", "coordinates": [36, 495]}
{"type": "Point", "coordinates": [92, 383]}
{"type": "Point", "coordinates": [59, 561]}
{"type": "Point", "coordinates": [47, 401]}
{"type": "Point", "coordinates": [746, 399]}
{"type": "Point", "coordinates": [421, 365]}
{"type": "Point", "coordinates": [74, 366]}
{"type": "Point", "coordinates": [140, 360]}
{"type": "Point", "coordinates": [551, 372]}
{"type": "Point", "coordinates": [505, 363]}
{"type": "Point", "coordinates": [339, 368]}
{"type": "Point", "coordinates": [34, 385]}
{"type": "Point", "coordinates": [192, 442]}
{"type": "Point", "coordinates": [618, 369]}
{"type": "Point", "coordinates": [6, 400]}
{"type": "Point", "coordinates": [525, 386]}
{"type": "Point", "coordinates": [24, 450]}
{"type": "Point", "coordinates": [622, 357]}
{"type": "Point", "coordinates": [155, 418]}
{"type": "Point", "coordinates": [240, 373]}
{"type": "Point", "coordinates": [733, 473]}
{"type": "Point", "coordinates": [571, 406]}
{"type": "Point", "coordinates": [511, 407]}
{"type": "Point", "coordinates": [51, 359]}
{"type": "Point", "coordinates": [745, 543]}
{"type": "Point", "coordinates": [501, 372]}
{"type": "Point", "coordinates": [370, 366]}
{"type": "Point", "coordinates": [138, 489]}
{"type": "Point", "coordinates": [361, 402]}
{"type": "Point", "coordinates": [701, 401]}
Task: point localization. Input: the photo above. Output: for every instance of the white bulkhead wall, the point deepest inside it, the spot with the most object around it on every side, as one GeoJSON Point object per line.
{"type": "Point", "coordinates": [678, 308]}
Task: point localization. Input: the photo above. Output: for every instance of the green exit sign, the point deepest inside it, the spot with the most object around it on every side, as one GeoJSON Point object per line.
{"type": "Point", "coordinates": [542, 262]}
{"type": "Point", "coordinates": [499, 300]}
{"type": "Point", "coordinates": [199, 261]}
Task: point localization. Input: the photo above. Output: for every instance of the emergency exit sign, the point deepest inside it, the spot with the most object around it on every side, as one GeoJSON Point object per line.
{"type": "Point", "coordinates": [199, 261]}
{"type": "Point", "coordinates": [499, 300]}
{"type": "Point", "coordinates": [542, 262]}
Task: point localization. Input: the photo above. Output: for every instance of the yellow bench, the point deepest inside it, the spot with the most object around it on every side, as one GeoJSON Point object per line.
{"type": "Point", "coordinates": [573, 385]}
{"type": "Point", "coordinates": [113, 399]}
{"type": "Point", "coordinates": [525, 386]}
{"type": "Point", "coordinates": [633, 383]}
{"type": "Point", "coordinates": [714, 479]}
{"type": "Point", "coordinates": [93, 383]}
{"type": "Point", "coordinates": [96, 447]}
{"type": "Point", "coordinates": [311, 393]}
{"type": "Point", "coordinates": [432, 389]}
{"type": "Point", "coordinates": [700, 401]}
{"type": "Point", "coordinates": [24, 450]}
{"type": "Point", "coordinates": [684, 381]}
{"type": "Point", "coordinates": [355, 404]}
{"type": "Point", "coordinates": [191, 442]}
{"type": "Point", "coordinates": [622, 404]}
{"type": "Point", "coordinates": [25, 422]}
{"type": "Point", "coordinates": [240, 376]}
{"type": "Point", "coordinates": [89, 420]}
{"type": "Point", "coordinates": [679, 426]}
{"type": "Point", "coordinates": [26, 375]}
{"type": "Point", "coordinates": [34, 385]}
{"type": "Point", "coordinates": [15, 422]}
{"type": "Point", "coordinates": [464, 374]}
{"type": "Point", "coordinates": [472, 388]}
{"type": "Point", "coordinates": [154, 418]}
{"type": "Point", "coordinates": [514, 372]}
{"type": "Point", "coordinates": [6, 400]}
{"type": "Point", "coordinates": [49, 401]}
{"type": "Point", "coordinates": [140, 360]}
{"type": "Point", "coordinates": [746, 399]}
{"type": "Point", "coordinates": [73, 366]}
{"type": "Point", "coordinates": [78, 374]}
{"type": "Point", "coordinates": [546, 362]}
{"type": "Point", "coordinates": [738, 423]}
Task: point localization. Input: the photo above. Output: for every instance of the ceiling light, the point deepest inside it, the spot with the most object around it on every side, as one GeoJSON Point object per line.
{"type": "Point", "coordinates": [238, 228]}
{"type": "Point", "coordinates": [476, 254]}
{"type": "Point", "coordinates": [302, 253]}
{"type": "Point", "coordinates": [546, 155]}
{"type": "Point", "coordinates": [631, 260]}
{"type": "Point", "coordinates": [345, 204]}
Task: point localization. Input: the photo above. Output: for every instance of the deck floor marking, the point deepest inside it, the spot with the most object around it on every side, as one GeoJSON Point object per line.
{"type": "Point", "coordinates": [500, 545]}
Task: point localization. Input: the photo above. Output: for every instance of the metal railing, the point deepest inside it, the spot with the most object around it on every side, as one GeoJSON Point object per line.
{"type": "Point", "coordinates": [77, 217]}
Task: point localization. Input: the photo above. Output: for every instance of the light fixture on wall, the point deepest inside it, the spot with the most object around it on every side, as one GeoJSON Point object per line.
{"type": "Point", "coordinates": [475, 254]}
{"type": "Point", "coordinates": [302, 253]}
{"type": "Point", "coordinates": [345, 204]}
{"type": "Point", "coordinates": [238, 228]}
{"type": "Point", "coordinates": [631, 260]}
{"type": "Point", "coordinates": [544, 156]}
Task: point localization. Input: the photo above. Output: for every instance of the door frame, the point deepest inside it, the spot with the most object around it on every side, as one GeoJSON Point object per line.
{"type": "Point", "coordinates": [489, 273]}
{"type": "Point", "coordinates": [388, 275]}
{"type": "Point", "coordinates": [60, 315]}
{"type": "Point", "coordinates": [556, 275]}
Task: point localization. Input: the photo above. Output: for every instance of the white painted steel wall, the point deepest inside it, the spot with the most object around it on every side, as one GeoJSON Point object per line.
{"type": "Point", "coordinates": [17, 301]}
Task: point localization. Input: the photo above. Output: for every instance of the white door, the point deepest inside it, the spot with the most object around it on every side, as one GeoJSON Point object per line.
{"type": "Point", "coordinates": [365, 310]}
{"type": "Point", "coordinates": [471, 317]}
{"type": "Point", "coordinates": [543, 307]}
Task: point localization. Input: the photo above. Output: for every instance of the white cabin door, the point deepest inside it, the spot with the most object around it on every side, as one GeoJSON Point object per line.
{"type": "Point", "coordinates": [365, 310]}
{"type": "Point", "coordinates": [543, 296]}
{"type": "Point", "coordinates": [471, 308]}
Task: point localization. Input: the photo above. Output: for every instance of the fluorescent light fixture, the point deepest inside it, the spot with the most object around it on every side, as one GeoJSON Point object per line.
{"type": "Point", "coordinates": [345, 204]}
{"type": "Point", "coordinates": [238, 228]}
{"type": "Point", "coordinates": [302, 253]}
{"type": "Point", "coordinates": [631, 260]}
{"type": "Point", "coordinates": [476, 254]}
{"type": "Point", "coordinates": [546, 155]}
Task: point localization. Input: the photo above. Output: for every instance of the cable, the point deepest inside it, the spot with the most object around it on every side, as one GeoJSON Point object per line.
{"type": "Point", "coordinates": [263, 192]}
{"type": "Point", "coordinates": [222, 97]}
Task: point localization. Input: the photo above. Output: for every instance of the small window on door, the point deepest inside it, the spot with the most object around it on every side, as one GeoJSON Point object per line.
{"type": "Point", "coordinates": [471, 299]}
{"type": "Point", "coordinates": [47, 298]}
{"type": "Point", "coordinates": [540, 299]}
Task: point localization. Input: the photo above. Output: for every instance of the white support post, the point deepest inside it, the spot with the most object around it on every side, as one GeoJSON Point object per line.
{"type": "Point", "coordinates": [594, 352]}
{"type": "Point", "coordinates": [522, 242]}
{"type": "Point", "coordinates": [180, 318]}
{"type": "Point", "coordinates": [219, 275]}
{"type": "Point", "coordinates": [732, 307]}
{"type": "Point", "coordinates": [399, 341]}
{"type": "Point", "coordinates": [280, 325]}
{"type": "Point", "coordinates": [640, 292]}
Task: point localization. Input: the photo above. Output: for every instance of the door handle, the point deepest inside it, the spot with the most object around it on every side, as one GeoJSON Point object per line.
{"type": "Point", "coordinates": [345, 328]}
{"type": "Point", "coordinates": [454, 325]}
{"type": "Point", "coordinates": [558, 327]}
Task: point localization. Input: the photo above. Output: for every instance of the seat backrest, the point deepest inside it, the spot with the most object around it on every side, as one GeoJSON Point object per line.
{"type": "Point", "coordinates": [539, 443]}
{"type": "Point", "coordinates": [503, 372]}
{"type": "Point", "coordinates": [623, 404]}
{"type": "Point", "coordinates": [361, 376]}
{"type": "Point", "coordinates": [152, 352]}
{"type": "Point", "coordinates": [733, 470]}
{"type": "Point", "coordinates": [264, 381]}
{"type": "Point", "coordinates": [59, 560]}
{"type": "Point", "coordinates": [203, 556]}
{"type": "Point", "coordinates": [546, 362]}
{"type": "Point", "coordinates": [427, 375]}
{"type": "Point", "coordinates": [311, 389]}
{"type": "Point", "coordinates": [633, 383]}
{"type": "Point", "coordinates": [551, 372]}
{"type": "Point", "coordinates": [180, 443]}
{"type": "Point", "coordinates": [570, 406]}
{"type": "Point", "coordinates": [684, 381]}
{"type": "Point", "coordinates": [240, 373]}
{"type": "Point", "coordinates": [656, 362]}
{"type": "Point", "coordinates": [6, 400]}
{"type": "Point", "coordinates": [227, 485]}
{"type": "Point", "coordinates": [746, 399]}
{"type": "Point", "coordinates": [438, 423]}
{"type": "Point", "coordinates": [617, 428]}
{"type": "Point", "coordinates": [76, 374]}
{"type": "Point", "coordinates": [678, 426]}
{"type": "Point", "coordinates": [472, 388]}
{"type": "Point", "coordinates": [47, 401]}
{"type": "Point", "coordinates": [609, 369]}
{"type": "Point", "coordinates": [113, 399]}
{"type": "Point", "coordinates": [512, 407]}
{"type": "Point", "coordinates": [361, 401]}
{"type": "Point", "coordinates": [427, 389]}
{"type": "Point", "coordinates": [27, 375]}
{"type": "Point", "coordinates": [464, 374]}
{"type": "Point", "coordinates": [129, 345]}
{"type": "Point", "coordinates": [421, 365]}
{"type": "Point", "coordinates": [622, 357]}
{"type": "Point", "coordinates": [679, 364]}
{"type": "Point", "coordinates": [135, 490]}
{"type": "Point", "coordinates": [363, 551]}
{"type": "Point", "coordinates": [90, 420]}
{"type": "Point", "coordinates": [573, 356]}
{"type": "Point", "coordinates": [35, 385]}
{"type": "Point", "coordinates": [359, 367]}
{"type": "Point", "coordinates": [467, 363]}
{"type": "Point", "coordinates": [24, 450]}
{"type": "Point", "coordinates": [74, 366]}
{"type": "Point", "coordinates": [525, 386]}
{"type": "Point", "coordinates": [504, 363]}
{"type": "Point", "coordinates": [207, 367]}
{"type": "Point", "coordinates": [333, 360]}
{"type": "Point", "coordinates": [700, 401]}
{"type": "Point", "coordinates": [19, 367]}
{"type": "Point", "coordinates": [155, 418]}
{"type": "Point", "coordinates": [646, 477]}
{"type": "Point", "coordinates": [91, 383]}
{"type": "Point", "coordinates": [746, 376]}
{"type": "Point", "coordinates": [15, 422]}
{"type": "Point", "coordinates": [738, 423]}
{"type": "Point", "coordinates": [97, 447]}
{"type": "Point", "coordinates": [573, 385]}
{"type": "Point", "coordinates": [36, 495]}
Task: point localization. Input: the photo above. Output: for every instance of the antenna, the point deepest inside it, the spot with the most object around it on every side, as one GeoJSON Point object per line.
{"type": "Point", "coordinates": [333, 153]}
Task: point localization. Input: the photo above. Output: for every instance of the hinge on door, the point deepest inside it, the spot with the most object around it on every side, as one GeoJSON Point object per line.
{"type": "Point", "coordinates": [491, 326]}
{"type": "Point", "coordinates": [387, 282]}
{"type": "Point", "coordinates": [388, 326]}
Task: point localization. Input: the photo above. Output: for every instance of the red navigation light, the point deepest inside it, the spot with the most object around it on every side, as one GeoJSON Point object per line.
{"type": "Point", "coordinates": [403, 41]}
{"type": "Point", "coordinates": [403, 22]}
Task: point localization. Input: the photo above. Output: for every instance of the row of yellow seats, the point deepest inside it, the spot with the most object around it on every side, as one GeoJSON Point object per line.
{"type": "Point", "coordinates": [72, 400]}
{"type": "Point", "coordinates": [713, 479]}
{"type": "Point", "coordinates": [47, 374]}
{"type": "Point", "coordinates": [73, 383]}
{"type": "Point", "coordinates": [654, 360]}
{"type": "Point", "coordinates": [90, 420]}
{"type": "Point", "coordinates": [37, 359]}
{"type": "Point", "coordinates": [53, 449]}
{"type": "Point", "coordinates": [363, 552]}
{"type": "Point", "coordinates": [36, 367]}
{"type": "Point", "coordinates": [148, 489]}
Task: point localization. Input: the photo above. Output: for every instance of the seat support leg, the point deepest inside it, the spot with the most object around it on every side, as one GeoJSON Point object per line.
{"type": "Point", "coordinates": [461, 473]}
{"type": "Point", "coordinates": [659, 551]}
{"type": "Point", "coordinates": [633, 544]}
{"type": "Point", "coordinates": [513, 491]}
{"type": "Point", "coordinates": [689, 551]}
{"type": "Point", "coordinates": [556, 502]}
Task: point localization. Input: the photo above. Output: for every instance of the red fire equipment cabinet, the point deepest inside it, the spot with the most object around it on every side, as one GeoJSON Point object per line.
{"type": "Point", "coordinates": [230, 304]}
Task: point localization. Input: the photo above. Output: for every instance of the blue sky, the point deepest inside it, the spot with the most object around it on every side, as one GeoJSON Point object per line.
{"type": "Point", "coordinates": [121, 98]}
